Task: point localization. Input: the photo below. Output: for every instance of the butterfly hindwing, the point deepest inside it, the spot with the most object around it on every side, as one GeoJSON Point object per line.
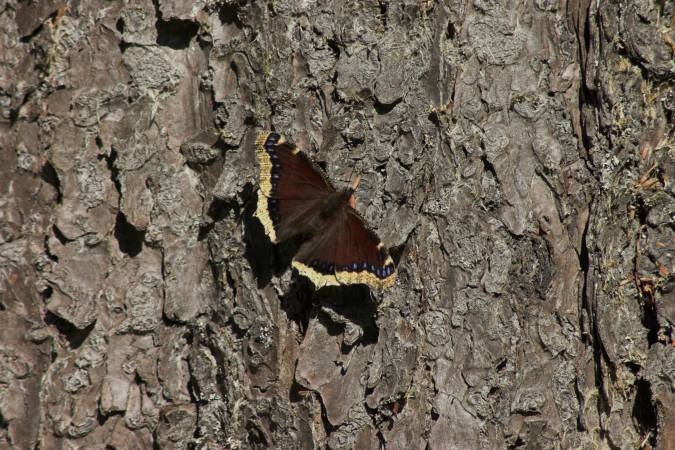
{"type": "Point", "coordinates": [291, 187]}
{"type": "Point", "coordinates": [315, 258]}
{"type": "Point", "coordinates": [346, 252]}
{"type": "Point", "coordinates": [363, 258]}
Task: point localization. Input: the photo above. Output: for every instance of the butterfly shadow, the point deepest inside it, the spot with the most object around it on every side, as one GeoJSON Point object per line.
{"type": "Point", "coordinates": [353, 303]}
{"type": "Point", "coordinates": [335, 307]}
{"type": "Point", "coordinates": [265, 258]}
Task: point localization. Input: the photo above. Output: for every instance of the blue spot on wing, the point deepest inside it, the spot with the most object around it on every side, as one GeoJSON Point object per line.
{"type": "Point", "coordinates": [273, 138]}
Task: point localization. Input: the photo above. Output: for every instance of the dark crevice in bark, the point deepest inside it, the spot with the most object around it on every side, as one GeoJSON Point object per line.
{"type": "Point", "coordinates": [669, 115]}
{"type": "Point", "coordinates": [327, 426]}
{"type": "Point", "coordinates": [381, 439]}
{"type": "Point", "coordinates": [206, 45]}
{"type": "Point", "coordinates": [644, 412]}
{"type": "Point", "coordinates": [48, 175]}
{"type": "Point", "coordinates": [219, 209]}
{"type": "Point", "coordinates": [101, 418]}
{"type": "Point", "coordinates": [519, 443]}
{"type": "Point", "coordinates": [29, 37]}
{"type": "Point", "coordinates": [123, 46]}
{"type": "Point", "coordinates": [335, 48]}
{"type": "Point", "coordinates": [119, 26]}
{"type": "Point", "coordinates": [129, 239]}
{"type": "Point", "coordinates": [4, 425]}
{"type": "Point", "coordinates": [70, 332]}
{"type": "Point", "coordinates": [586, 97]}
{"type": "Point", "coordinates": [174, 33]}
{"type": "Point", "coordinates": [435, 118]}
{"type": "Point", "coordinates": [47, 293]}
{"type": "Point", "coordinates": [450, 31]}
{"type": "Point", "coordinates": [204, 230]}
{"type": "Point", "coordinates": [114, 171]}
{"type": "Point", "coordinates": [651, 322]}
{"type": "Point", "coordinates": [386, 108]}
{"type": "Point", "coordinates": [399, 252]}
{"type": "Point", "coordinates": [489, 167]}
{"type": "Point", "coordinates": [648, 306]}
{"type": "Point", "coordinates": [633, 367]}
{"type": "Point", "coordinates": [256, 436]}
{"type": "Point", "coordinates": [295, 393]}
{"type": "Point", "coordinates": [14, 115]}
{"type": "Point", "coordinates": [228, 14]}
{"type": "Point", "coordinates": [384, 6]}
{"type": "Point", "coordinates": [193, 389]}
{"type": "Point", "coordinates": [60, 236]}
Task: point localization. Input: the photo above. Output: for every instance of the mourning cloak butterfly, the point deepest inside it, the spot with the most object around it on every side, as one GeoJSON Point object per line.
{"type": "Point", "coordinates": [296, 198]}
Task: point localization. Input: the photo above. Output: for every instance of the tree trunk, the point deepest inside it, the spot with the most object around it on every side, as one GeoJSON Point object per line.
{"type": "Point", "coordinates": [516, 157]}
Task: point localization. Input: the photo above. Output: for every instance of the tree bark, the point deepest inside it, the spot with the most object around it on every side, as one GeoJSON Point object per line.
{"type": "Point", "coordinates": [516, 157]}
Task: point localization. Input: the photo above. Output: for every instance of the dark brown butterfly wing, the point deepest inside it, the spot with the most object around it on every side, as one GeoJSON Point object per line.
{"type": "Point", "coordinates": [292, 188]}
{"type": "Point", "coordinates": [346, 252]}
{"type": "Point", "coordinates": [315, 258]}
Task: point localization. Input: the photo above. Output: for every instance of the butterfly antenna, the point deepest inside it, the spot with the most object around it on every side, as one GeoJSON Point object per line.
{"type": "Point", "coordinates": [356, 182]}
{"type": "Point", "coordinates": [353, 187]}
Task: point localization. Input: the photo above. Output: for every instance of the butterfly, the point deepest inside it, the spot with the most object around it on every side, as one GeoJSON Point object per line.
{"type": "Point", "coordinates": [295, 197]}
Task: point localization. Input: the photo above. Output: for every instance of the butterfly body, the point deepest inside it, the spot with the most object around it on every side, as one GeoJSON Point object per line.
{"type": "Point", "coordinates": [326, 209]}
{"type": "Point", "coordinates": [296, 197]}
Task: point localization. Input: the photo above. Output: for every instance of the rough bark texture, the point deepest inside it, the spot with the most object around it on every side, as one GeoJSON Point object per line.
{"type": "Point", "coordinates": [517, 156]}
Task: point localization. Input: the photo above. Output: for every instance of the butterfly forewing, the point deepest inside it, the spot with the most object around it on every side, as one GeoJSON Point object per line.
{"type": "Point", "coordinates": [292, 188]}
